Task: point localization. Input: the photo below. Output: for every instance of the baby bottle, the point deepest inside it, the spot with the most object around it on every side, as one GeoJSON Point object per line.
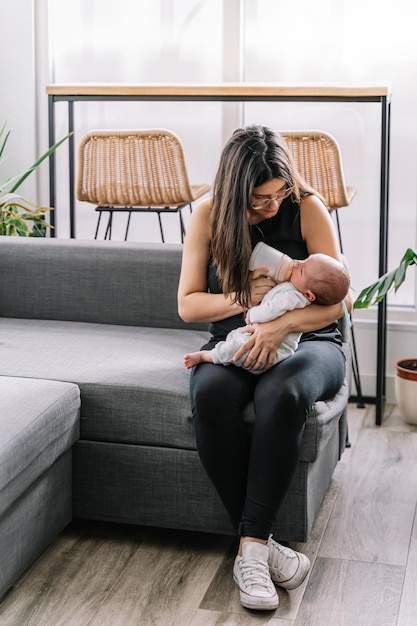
{"type": "Point", "coordinates": [277, 262]}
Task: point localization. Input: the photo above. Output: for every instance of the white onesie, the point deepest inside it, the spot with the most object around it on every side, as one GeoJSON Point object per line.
{"type": "Point", "coordinates": [280, 299]}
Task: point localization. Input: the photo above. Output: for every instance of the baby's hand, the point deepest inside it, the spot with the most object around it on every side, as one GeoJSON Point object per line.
{"type": "Point", "coordinates": [247, 317]}
{"type": "Point", "coordinates": [260, 284]}
{"type": "Point", "coordinates": [245, 329]}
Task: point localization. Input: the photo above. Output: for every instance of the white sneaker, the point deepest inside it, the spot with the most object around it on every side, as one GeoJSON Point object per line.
{"type": "Point", "coordinates": [251, 575]}
{"type": "Point", "coordinates": [287, 567]}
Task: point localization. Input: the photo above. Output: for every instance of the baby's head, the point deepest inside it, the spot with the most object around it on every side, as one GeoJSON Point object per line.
{"type": "Point", "coordinates": [321, 278]}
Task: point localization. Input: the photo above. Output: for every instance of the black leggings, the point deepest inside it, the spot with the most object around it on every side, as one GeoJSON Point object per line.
{"type": "Point", "coordinates": [252, 473]}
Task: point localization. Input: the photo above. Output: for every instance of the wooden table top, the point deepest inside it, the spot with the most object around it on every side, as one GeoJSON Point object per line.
{"type": "Point", "coordinates": [341, 90]}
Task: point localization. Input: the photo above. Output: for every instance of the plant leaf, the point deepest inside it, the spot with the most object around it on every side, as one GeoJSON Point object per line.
{"type": "Point", "coordinates": [38, 162]}
{"type": "Point", "coordinates": [377, 291]}
{"type": "Point", "coordinates": [3, 145]}
{"type": "Point", "coordinates": [19, 216]}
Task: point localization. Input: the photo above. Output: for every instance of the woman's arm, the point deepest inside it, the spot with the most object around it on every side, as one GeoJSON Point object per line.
{"type": "Point", "coordinates": [304, 320]}
{"type": "Point", "coordinates": [267, 337]}
{"type": "Point", "coordinates": [194, 303]}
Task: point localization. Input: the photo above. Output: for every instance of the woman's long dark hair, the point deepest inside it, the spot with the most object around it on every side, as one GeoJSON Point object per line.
{"type": "Point", "coordinates": [252, 157]}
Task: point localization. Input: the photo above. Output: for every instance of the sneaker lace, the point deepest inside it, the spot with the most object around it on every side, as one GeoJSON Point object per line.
{"type": "Point", "coordinates": [255, 574]}
{"type": "Point", "coordinates": [280, 556]}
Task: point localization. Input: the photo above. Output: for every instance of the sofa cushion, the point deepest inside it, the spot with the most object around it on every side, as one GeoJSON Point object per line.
{"type": "Point", "coordinates": [133, 384]}
{"type": "Point", "coordinates": [39, 421]}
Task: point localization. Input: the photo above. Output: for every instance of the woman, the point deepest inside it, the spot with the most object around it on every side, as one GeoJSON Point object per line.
{"type": "Point", "coordinates": [258, 196]}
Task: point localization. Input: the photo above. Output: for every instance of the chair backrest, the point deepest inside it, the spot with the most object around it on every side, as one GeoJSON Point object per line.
{"type": "Point", "coordinates": [143, 167]}
{"type": "Point", "coordinates": [318, 159]}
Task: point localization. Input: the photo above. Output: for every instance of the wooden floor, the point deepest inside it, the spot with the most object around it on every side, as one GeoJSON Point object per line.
{"type": "Point", "coordinates": [363, 549]}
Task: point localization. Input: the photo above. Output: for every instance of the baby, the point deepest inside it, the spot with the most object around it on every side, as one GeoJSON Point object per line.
{"type": "Point", "coordinates": [319, 279]}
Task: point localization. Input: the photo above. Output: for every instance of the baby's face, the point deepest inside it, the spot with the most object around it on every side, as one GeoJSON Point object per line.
{"type": "Point", "coordinates": [302, 272]}
{"type": "Point", "coordinates": [315, 265]}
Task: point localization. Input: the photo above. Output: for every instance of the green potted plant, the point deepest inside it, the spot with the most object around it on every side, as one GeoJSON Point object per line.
{"type": "Point", "coordinates": [405, 387]}
{"type": "Point", "coordinates": [19, 216]}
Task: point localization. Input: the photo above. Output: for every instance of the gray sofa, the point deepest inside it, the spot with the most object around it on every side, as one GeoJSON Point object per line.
{"type": "Point", "coordinates": [92, 350]}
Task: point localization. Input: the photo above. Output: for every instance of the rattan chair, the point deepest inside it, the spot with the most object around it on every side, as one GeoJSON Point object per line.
{"type": "Point", "coordinates": [134, 171]}
{"type": "Point", "coordinates": [318, 159]}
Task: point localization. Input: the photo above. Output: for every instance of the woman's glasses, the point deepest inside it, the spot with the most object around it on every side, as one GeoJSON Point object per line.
{"type": "Point", "coordinates": [258, 205]}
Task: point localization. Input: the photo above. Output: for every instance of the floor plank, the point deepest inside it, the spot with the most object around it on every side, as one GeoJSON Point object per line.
{"type": "Point", "coordinates": [392, 419]}
{"type": "Point", "coordinates": [250, 618]}
{"type": "Point", "coordinates": [165, 581]}
{"type": "Point", "coordinates": [408, 609]}
{"type": "Point", "coordinates": [373, 514]}
{"type": "Point", "coordinates": [71, 580]}
{"type": "Point", "coordinates": [350, 593]}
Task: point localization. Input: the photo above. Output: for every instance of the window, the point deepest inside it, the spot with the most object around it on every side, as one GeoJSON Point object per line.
{"type": "Point", "coordinates": [258, 40]}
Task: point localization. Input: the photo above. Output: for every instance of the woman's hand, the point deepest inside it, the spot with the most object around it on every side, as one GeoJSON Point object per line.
{"type": "Point", "coordinates": [260, 284]}
{"type": "Point", "coordinates": [263, 344]}
{"type": "Point", "coordinates": [268, 336]}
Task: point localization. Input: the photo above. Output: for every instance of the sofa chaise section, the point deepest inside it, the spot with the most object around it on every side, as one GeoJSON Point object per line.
{"type": "Point", "coordinates": [39, 424]}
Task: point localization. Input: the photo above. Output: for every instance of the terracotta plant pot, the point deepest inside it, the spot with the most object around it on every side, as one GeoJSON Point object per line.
{"type": "Point", "coordinates": [406, 389]}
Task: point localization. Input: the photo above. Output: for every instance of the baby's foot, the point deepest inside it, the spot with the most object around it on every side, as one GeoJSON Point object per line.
{"type": "Point", "coordinates": [190, 360]}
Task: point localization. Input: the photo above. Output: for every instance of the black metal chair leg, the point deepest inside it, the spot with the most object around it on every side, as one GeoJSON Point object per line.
{"type": "Point", "coordinates": [355, 368]}
{"type": "Point", "coordinates": [338, 230]}
{"type": "Point", "coordinates": [128, 224]}
{"type": "Point", "coordinates": [98, 224]}
{"type": "Point", "coordinates": [355, 364]}
{"type": "Point", "coordinates": [182, 227]}
{"type": "Point", "coordinates": [160, 228]}
{"type": "Point", "coordinates": [107, 234]}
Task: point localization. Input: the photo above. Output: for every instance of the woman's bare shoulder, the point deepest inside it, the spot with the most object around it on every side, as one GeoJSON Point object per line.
{"type": "Point", "coordinates": [317, 227]}
{"type": "Point", "coordinates": [201, 217]}
{"type": "Point", "coordinates": [311, 201]}
{"type": "Point", "coordinates": [204, 208]}
{"type": "Point", "coordinates": [199, 228]}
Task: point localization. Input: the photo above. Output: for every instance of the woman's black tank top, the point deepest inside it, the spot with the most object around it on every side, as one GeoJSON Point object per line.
{"type": "Point", "coordinates": [283, 232]}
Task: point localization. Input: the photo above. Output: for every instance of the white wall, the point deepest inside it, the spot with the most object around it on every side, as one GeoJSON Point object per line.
{"type": "Point", "coordinates": [17, 81]}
